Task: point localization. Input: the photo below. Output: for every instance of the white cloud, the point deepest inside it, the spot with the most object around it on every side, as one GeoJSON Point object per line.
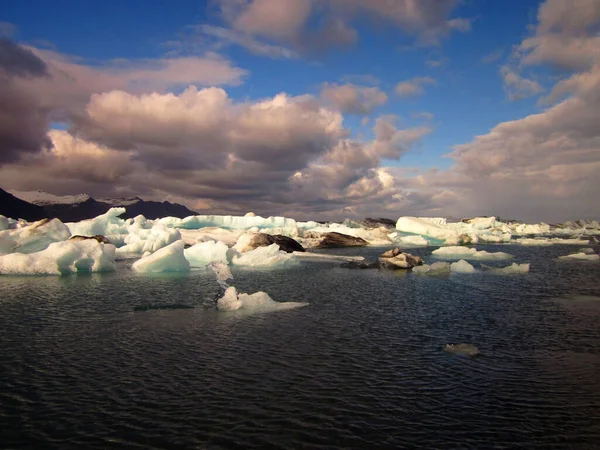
{"type": "Point", "coordinates": [352, 99]}
{"type": "Point", "coordinates": [414, 86]}
{"type": "Point", "coordinates": [518, 87]}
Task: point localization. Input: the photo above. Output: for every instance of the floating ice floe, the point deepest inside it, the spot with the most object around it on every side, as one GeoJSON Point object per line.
{"type": "Point", "coordinates": [459, 252]}
{"type": "Point", "coordinates": [168, 259]}
{"type": "Point", "coordinates": [514, 268]}
{"type": "Point", "coordinates": [550, 241]}
{"type": "Point", "coordinates": [462, 266]}
{"type": "Point", "coordinates": [264, 257]}
{"type": "Point", "coordinates": [582, 257]}
{"type": "Point", "coordinates": [257, 302]}
{"type": "Point", "coordinates": [462, 349]}
{"type": "Point", "coordinates": [437, 268]}
{"type": "Point", "coordinates": [61, 258]}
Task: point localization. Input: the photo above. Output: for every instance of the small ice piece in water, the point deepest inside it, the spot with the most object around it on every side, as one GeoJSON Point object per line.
{"type": "Point", "coordinates": [513, 268]}
{"type": "Point", "coordinates": [582, 256]}
{"type": "Point", "coordinates": [437, 268]}
{"type": "Point", "coordinates": [167, 259]}
{"type": "Point", "coordinates": [222, 272]}
{"type": "Point", "coordinates": [467, 253]}
{"type": "Point", "coordinates": [229, 301]}
{"type": "Point", "coordinates": [462, 266]}
{"type": "Point", "coordinates": [462, 349]}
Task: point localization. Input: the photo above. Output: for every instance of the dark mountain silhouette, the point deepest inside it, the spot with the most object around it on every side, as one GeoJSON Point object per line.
{"type": "Point", "coordinates": [13, 207]}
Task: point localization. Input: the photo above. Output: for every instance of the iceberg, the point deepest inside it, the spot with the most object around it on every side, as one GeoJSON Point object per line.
{"type": "Point", "coordinates": [210, 234]}
{"type": "Point", "coordinates": [3, 223]}
{"type": "Point", "coordinates": [61, 258]}
{"type": "Point", "coordinates": [141, 240]}
{"type": "Point", "coordinates": [462, 266]}
{"type": "Point", "coordinates": [227, 222]}
{"type": "Point", "coordinates": [432, 227]}
{"type": "Point", "coordinates": [264, 257]}
{"type": "Point", "coordinates": [168, 259]}
{"type": "Point", "coordinates": [467, 253]}
{"type": "Point", "coordinates": [108, 224]}
{"type": "Point", "coordinates": [414, 240]}
{"type": "Point", "coordinates": [203, 253]}
{"type": "Point", "coordinates": [581, 256]}
{"type": "Point", "coordinates": [37, 236]}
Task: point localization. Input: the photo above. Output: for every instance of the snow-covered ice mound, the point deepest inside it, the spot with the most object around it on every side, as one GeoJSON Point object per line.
{"type": "Point", "coordinates": [257, 302]}
{"type": "Point", "coordinates": [462, 266]}
{"type": "Point", "coordinates": [61, 258]}
{"type": "Point", "coordinates": [459, 252]}
{"type": "Point", "coordinates": [168, 259]}
{"type": "Point", "coordinates": [581, 256]}
{"type": "Point", "coordinates": [264, 257]}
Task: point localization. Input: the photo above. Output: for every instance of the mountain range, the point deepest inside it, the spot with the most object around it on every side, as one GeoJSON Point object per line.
{"type": "Point", "coordinates": [36, 205]}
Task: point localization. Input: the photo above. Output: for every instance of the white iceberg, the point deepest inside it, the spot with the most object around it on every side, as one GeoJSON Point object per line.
{"type": "Point", "coordinates": [203, 253]}
{"type": "Point", "coordinates": [582, 256]}
{"type": "Point", "coordinates": [37, 236]}
{"type": "Point", "coordinates": [61, 258]}
{"type": "Point", "coordinates": [3, 223]}
{"type": "Point", "coordinates": [462, 266]}
{"type": "Point", "coordinates": [107, 224]}
{"type": "Point", "coordinates": [141, 240]}
{"type": "Point", "coordinates": [228, 222]}
{"type": "Point", "coordinates": [210, 234]}
{"type": "Point", "coordinates": [459, 252]}
{"type": "Point", "coordinates": [167, 259]}
{"type": "Point", "coordinates": [414, 240]}
{"type": "Point", "coordinates": [264, 257]}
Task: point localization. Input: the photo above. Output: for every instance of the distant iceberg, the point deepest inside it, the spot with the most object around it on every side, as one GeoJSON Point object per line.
{"type": "Point", "coordinates": [61, 258]}
{"type": "Point", "coordinates": [468, 253]}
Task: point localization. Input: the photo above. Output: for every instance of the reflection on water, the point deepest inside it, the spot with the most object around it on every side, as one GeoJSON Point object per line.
{"type": "Point", "coordinates": [129, 360]}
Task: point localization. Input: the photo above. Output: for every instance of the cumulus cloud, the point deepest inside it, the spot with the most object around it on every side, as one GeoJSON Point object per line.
{"type": "Point", "coordinates": [352, 99]}
{"type": "Point", "coordinates": [414, 86]}
{"type": "Point", "coordinates": [542, 166]}
{"type": "Point", "coordinates": [40, 86]}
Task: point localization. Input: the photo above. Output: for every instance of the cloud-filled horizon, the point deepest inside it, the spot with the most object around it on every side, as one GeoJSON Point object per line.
{"type": "Point", "coordinates": [313, 109]}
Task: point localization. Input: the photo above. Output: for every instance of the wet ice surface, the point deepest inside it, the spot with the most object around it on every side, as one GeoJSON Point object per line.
{"type": "Point", "coordinates": [100, 360]}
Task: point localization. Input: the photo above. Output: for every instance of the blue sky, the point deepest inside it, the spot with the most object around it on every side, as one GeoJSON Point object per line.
{"type": "Point", "coordinates": [477, 63]}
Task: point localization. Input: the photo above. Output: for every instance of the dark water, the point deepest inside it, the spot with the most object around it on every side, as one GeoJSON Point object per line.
{"type": "Point", "coordinates": [117, 360]}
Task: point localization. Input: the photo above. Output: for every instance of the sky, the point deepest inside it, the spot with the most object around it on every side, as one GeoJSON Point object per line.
{"type": "Point", "coordinates": [311, 109]}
